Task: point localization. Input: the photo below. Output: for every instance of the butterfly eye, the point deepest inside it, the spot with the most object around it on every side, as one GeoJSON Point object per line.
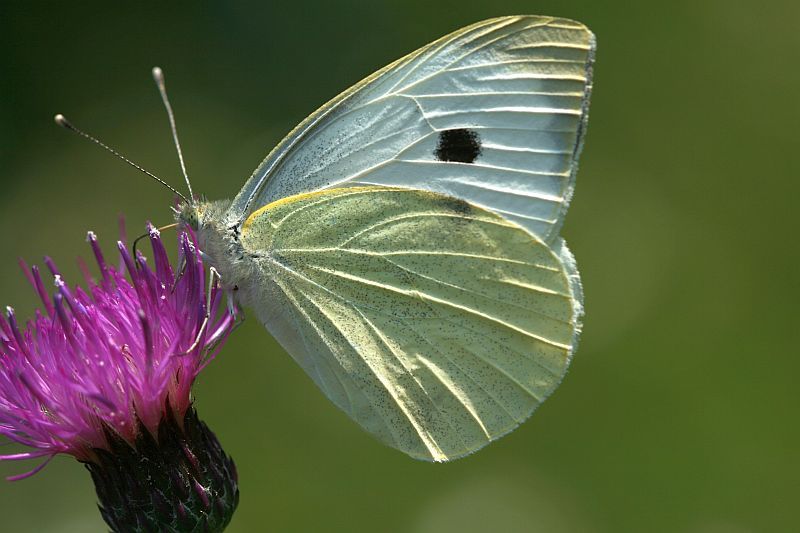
{"type": "Point", "coordinates": [189, 217]}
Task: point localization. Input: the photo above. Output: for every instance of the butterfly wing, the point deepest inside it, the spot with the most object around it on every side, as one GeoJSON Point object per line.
{"type": "Point", "coordinates": [493, 113]}
{"type": "Point", "coordinates": [437, 325]}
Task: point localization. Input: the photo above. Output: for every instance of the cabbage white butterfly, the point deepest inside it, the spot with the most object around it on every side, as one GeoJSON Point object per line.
{"type": "Point", "coordinates": [402, 243]}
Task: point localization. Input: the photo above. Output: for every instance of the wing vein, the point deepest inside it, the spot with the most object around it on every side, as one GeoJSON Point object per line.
{"type": "Point", "coordinates": [470, 291]}
{"type": "Point", "coordinates": [408, 371]}
{"type": "Point", "coordinates": [446, 303]}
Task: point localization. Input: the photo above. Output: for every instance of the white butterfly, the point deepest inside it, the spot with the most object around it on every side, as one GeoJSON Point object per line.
{"type": "Point", "coordinates": [402, 242]}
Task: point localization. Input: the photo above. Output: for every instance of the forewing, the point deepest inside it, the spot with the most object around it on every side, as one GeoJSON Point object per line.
{"type": "Point", "coordinates": [436, 325]}
{"type": "Point", "coordinates": [517, 86]}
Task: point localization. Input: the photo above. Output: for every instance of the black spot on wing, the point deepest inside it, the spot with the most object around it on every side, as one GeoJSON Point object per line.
{"type": "Point", "coordinates": [458, 145]}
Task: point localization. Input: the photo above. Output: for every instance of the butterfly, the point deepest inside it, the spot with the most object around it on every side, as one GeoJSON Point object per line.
{"type": "Point", "coordinates": [402, 242]}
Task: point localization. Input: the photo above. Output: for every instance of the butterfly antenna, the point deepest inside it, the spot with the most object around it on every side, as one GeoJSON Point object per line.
{"type": "Point", "coordinates": [158, 76]}
{"type": "Point", "coordinates": [67, 125]}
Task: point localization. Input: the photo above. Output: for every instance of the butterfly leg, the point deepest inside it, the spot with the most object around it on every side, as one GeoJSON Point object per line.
{"type": "Point", "coordinates": [234, 310]}
{"type": "Point", "coordinates": [182, 269]}
{"type": "Point", "coordinates": [179, 275]}
{"type": "Point", "coordinates": [213, 282]}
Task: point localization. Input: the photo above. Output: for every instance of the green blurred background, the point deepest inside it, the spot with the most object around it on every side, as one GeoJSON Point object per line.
{"type": "Point", "coordinates": [680, 410]}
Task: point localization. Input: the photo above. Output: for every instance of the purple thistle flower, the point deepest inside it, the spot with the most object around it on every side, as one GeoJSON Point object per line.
{"type": "Point", "coordinates": [105, 375]}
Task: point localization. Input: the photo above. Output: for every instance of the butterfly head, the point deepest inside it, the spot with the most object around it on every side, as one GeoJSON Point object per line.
{"type": "Point", "coordinates": [201, 215]}
{"type": "Point", "coordinates": [190, 214]}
